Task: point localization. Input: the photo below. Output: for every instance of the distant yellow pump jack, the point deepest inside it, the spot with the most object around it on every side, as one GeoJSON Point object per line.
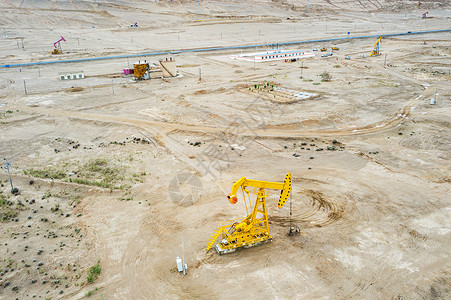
{"type": "Point", "coordinates": [376, 47]}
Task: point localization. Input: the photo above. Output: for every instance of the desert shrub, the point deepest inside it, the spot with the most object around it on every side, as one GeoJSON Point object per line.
{"type": "Point", "coordinates": [94, 272]}
{"type": "Point", "coordinates": [325, 76]}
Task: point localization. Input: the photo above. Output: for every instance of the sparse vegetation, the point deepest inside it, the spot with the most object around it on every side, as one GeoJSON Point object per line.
{"type": "Point", "coordinates": [89, 182]}
{"type": "Point", "coordinates": [3, 200]}
{"type": "Point", "coordinates": [75, 199]}
{"type": "Point", "coordinates": [55, 208]}
{"type": "Point", "coordinates": [45, 173]}
{"type": "Point", "coordinates": [89, 293]}
{"type": "Point", "coordinates": [94, 272]}
{"type": "Point", "coordinates": [325, 76]}
{"type": "Point", "coordinates": [7, 212]}
{"type": "Point", "coordinates": [99, 172]}
{"type": "Point", "coordinates": [96, 165]}
{"type": "Point", "coordinates": [387, 83]}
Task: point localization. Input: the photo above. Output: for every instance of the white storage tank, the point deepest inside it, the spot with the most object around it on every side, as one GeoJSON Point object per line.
{"type": "Point", "coordinates": [179, 264]}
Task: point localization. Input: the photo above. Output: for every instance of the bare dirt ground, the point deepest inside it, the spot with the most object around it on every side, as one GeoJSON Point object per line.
{"type": "Point", "coordinates": [110, 173]}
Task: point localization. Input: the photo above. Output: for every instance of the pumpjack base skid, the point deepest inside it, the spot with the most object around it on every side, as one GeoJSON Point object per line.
{"type": "Point", "coordinates": [221, 250]}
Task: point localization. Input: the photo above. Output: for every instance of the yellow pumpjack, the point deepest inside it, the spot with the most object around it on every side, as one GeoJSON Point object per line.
{"type": "Point", "coordinates": [254, 229]}
{"type": "Point", "coordinates": [375, 51]}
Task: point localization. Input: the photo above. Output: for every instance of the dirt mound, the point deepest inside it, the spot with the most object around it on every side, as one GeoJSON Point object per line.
{"type": "Point", "coordinates": [74, 89]}
{"type": "Point", "coordinates": [283, 126]}
{"type": "Point", "coordinates": [200, 92]}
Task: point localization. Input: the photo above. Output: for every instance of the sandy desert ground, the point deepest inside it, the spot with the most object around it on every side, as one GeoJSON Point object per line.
{"type": "Point", "coordinates": [109, 174]}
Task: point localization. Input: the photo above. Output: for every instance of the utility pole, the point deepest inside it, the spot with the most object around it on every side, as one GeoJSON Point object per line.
{"type": "Point", "coordinates": [183, 257]}
{"type": "Point", "coordinates": [25, 88]}
{"type": "Point", "coordinates": [198, 7]}
{"type": "Point", "coordinates": [302, 70]}
{"type": "Point", "coordinates": [291, 212]}
{"type": "Point", "coordinates": [200, 74]}
{"type": "Point", "coordinates": [292, 231]}
{"type": "Point", "coordinates": [308, 6]}
{"type": "Point", "coordinates": [7, 165]}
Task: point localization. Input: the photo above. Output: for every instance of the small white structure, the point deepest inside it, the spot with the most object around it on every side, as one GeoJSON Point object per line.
{"type": "Point", "coordinates": [295, 95]}
{"type": "Point", "coordinates": [272, 55]}
{"type": "Point", "coordinates": [72, 75]}
{"type": "Point", "coordinates": [179, 264]}
{"type": "Point", "coordinates": [180, 268]}
{"type": "Point", "coordinates": [434, 100]}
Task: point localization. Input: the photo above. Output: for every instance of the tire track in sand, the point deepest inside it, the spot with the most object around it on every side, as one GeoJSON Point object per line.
{"type": "Point", "coordinates": [396, 119]}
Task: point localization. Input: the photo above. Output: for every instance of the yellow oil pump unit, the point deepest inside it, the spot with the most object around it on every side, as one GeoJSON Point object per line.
{"type": "Point", "coordinates": [254, 229]}
{"type": "Point", "coordinates": [375, 51]}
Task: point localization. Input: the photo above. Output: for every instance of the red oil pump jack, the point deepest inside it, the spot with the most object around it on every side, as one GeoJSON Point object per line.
{"type": "Point", "coordinates": [57, 46]}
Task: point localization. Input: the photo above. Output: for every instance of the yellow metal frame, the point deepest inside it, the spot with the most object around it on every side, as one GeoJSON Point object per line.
{"type": "Point", "coordinates": [254, 229]}
{"type": "Point", "coordinates": [376, 47]}
{"type": "Point", "coordinates": [139, 70]}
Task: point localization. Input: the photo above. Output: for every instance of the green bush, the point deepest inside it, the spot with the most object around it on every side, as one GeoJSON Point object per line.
{"type": "Point", "coordinates": [325, 76]}
{"type": "Point", "coordinates": [94, 272]}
